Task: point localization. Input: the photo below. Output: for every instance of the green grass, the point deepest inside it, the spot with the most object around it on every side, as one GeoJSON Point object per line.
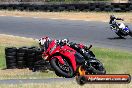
{"type": "Point", "coordinates": [8, 41]}
{"type": "Point", "coordinates": [115, 61]}
{"type": "Point", "coordinates": [2, 57]}
{"type": "Point", "coordinates": [18, 73]}
{"type": "Point", "coordinates": [68, 84]}
{"type": "Point", "coordinates": [26, 74]}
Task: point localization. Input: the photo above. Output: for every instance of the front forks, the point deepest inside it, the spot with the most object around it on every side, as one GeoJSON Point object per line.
{"type": "Point", "coordinates": [114, 28]}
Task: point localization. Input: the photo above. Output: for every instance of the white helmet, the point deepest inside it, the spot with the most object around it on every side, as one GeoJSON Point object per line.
{"type": "Point", "coordinates": [65, 41]}
{"type": "Point", "coordinates": [44, 42]}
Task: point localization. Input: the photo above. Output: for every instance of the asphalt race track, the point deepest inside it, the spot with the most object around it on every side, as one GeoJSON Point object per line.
{"type": "Point", "coordinates": [48, 80]}
{"type": "Point", "coordinates": [96, 33]}
{"type": "Point", "coordinates": [88, 32]}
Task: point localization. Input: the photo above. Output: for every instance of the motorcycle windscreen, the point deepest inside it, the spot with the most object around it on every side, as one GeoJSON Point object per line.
{"type": "Point", "coordinates": [79, 58]}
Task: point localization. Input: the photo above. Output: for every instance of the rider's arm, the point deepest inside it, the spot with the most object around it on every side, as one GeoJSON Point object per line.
{"type": "Point", "coordinates": [58, 42]}
{"type": "Point", "coordinates": [119, 19]}
{"type": "Point", "coordinates": [73, 45]}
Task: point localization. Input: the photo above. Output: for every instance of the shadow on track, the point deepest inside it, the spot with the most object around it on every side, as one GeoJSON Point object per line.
{"type": "Point", "coordinates": [115, 38]}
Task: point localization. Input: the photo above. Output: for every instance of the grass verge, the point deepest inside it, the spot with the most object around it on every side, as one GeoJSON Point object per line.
{"type": "Point", "coordinates": [9, 40]}
{"type": "Point", "coordinates": [71, 84]}
{"type": "Point", "coordinates": [115, 61]}
{"type": "Point", "coordinates": [92, 16]}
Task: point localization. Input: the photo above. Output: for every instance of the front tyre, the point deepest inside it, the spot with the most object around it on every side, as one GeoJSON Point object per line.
{"type": "Point", "coordinates": [63, 70]}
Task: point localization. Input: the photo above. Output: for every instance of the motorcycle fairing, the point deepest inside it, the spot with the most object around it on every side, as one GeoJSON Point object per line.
{"type": "Point", "coordinates": [121, 25]}
{"type": "Point", "coordinates": [79, 58]}
{"type": "Point", "coordinates": [60, 59]}
{"type": "Point", "coordinates": [114, 28]}
{"type": "Point", "coordinates": [126, 29]}
{"type": "Point", "coordinates": [69, 53]}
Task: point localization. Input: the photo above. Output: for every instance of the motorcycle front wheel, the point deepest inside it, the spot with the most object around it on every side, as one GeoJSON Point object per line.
{"type": "Point", "coordinates": [63, 70]}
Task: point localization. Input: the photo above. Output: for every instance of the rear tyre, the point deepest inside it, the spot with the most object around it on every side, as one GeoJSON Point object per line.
{"type": "Point", "coordinates": [130, 33]}
{"type": "Point", "coordinates": [58, 74]}
{"type": "Point", "coordinates": [96, 67]}
{"type": "Point", "coordinates": [119, 35]}
{"type": "Point", "coordinates": [81, 80]}
{"type": "Point", "coordinates": [64, 70]}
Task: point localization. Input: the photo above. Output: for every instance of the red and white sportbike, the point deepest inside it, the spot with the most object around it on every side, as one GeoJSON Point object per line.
{"type": "Point", "coordinates": [65, 61]}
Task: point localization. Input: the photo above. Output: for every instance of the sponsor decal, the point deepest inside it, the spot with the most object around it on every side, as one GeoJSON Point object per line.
{"type": "Point", "coordinates": [108, 78]}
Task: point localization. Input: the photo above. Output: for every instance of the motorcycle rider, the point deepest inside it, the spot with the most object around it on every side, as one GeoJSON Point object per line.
{"type": "Point", "coordinates": [114, 24]}
{"type": "Point", "coordinates": [82, 49]}
{"type": "Point", "coordinates": [87, 64]}
{"type": "Point", "coordinates": [44, 43]}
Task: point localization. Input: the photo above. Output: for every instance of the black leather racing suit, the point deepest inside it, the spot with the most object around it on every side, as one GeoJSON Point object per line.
{"type": "Point", "coordinates": [113, 23]}
{"type": "Point", "coordinates": [82, 49]}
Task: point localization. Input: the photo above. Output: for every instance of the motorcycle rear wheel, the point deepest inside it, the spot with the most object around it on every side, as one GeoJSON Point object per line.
{"type": "Point", "coordinates": [55, 65]}
{"type": "Point", "coordinates": [119, 35]}
{"type": "Point", "coordinates": [130, 33]}
{"type": "Point", "coordinates": [96, 67]}
{"type": "Point", "coordinates": [81, 80]}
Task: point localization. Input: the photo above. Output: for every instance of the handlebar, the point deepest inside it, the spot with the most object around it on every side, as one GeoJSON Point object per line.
{"type": "Point", "coordinates": [90, 47]}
